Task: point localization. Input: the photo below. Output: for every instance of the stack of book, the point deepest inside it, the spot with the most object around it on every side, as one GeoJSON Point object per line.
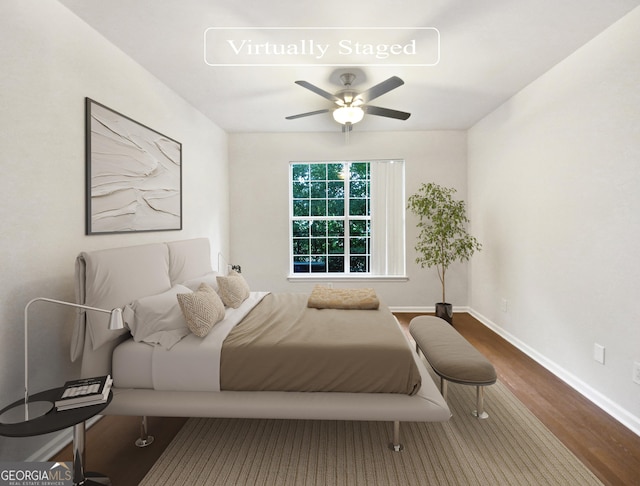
{"type": "Point", "coordinates": [84, 392]}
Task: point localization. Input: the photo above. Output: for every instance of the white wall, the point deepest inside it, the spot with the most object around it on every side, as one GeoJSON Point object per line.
{"type": "Point", "coordinates": [259, 165]}
{"type": "Point", "coordinates": [554, 186]}
{"type": "Point", "coordinates": [50, 61]}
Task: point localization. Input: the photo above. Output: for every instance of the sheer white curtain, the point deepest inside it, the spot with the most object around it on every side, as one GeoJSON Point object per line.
{"type": "Point", "coordinates": [387, 218]}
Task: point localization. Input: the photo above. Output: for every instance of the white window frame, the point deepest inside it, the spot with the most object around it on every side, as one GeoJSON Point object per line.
{"type": "Point", "coordinates": [387, 254]}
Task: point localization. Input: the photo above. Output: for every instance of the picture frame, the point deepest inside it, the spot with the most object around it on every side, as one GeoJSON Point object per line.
{"type": "Point", "coordinates": [133, 175]}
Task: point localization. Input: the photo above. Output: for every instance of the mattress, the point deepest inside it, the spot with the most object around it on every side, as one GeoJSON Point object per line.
{"type": "Point", "coordinates": [282, 345]}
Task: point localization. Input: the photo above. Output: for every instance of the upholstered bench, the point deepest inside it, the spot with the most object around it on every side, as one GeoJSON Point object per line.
{"type": "Point", "coordinates": [452, 357]}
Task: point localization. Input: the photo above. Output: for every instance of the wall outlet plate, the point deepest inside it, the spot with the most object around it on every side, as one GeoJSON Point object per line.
{"type": "Point", "coordinates": [636, 372]}
{"type": "Point", "coordinates": [598, 353]}
{"type": "Point", "coordinates": [504, 305]}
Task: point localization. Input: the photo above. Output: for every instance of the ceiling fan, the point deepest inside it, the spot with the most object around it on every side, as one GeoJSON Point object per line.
{"type": "Point", "coordinates": [351, 105]}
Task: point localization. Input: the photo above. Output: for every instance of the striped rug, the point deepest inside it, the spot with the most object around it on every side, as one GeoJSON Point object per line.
{"type": "Point", "coordinates": [511, 447]}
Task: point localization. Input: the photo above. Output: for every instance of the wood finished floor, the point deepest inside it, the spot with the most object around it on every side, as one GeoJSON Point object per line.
{"type": "Point", "coordinates": [605, 446]}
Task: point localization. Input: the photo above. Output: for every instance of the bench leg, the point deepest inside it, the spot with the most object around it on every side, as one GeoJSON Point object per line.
{"type": "Point", "coordinates": [479, 412]}
{"type": "Point", "coordinates": [395, 445]}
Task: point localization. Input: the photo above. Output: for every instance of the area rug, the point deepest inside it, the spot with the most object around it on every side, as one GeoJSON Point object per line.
{"type": "Point", "coordinates": [511, 447]}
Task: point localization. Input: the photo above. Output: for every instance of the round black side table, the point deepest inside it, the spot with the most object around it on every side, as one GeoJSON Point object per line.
{"type": "Point", "coordinates": [55, 420]}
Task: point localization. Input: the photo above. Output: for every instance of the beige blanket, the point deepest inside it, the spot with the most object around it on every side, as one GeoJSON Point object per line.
{"type": "Point", "coordinates": [283, 345]}
{"type": "Point", "coordinates": [326, 298]}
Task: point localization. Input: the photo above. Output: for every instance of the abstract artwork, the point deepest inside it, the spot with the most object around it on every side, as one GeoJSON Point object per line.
{"type": "Point", "coordinates": [134, 175]}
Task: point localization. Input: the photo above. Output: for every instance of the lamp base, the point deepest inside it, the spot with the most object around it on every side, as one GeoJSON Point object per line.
{"type": "Point", "coordinates": [17, 414]}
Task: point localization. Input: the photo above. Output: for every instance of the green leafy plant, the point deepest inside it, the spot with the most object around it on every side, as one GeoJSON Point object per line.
{"type": "Point", "coordinates": [443, 237]}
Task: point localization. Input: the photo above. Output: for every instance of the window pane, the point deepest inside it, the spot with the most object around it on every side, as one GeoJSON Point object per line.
{"type": "Point", "coordinates": [335, 228]}
{"type": "Point", "coordinates": [319, 207]}
{"type": "Point", "coordinates": [335, 190]}
{"type": "Point", "coordinates": [300, 228]}
{"type": "Point", "coordinates": [358, 171]}
{"type": "Point", "coordinates": [335, 207]}
{"type": "Point", "coordinates": [319, 228]}
{"type": "Point", "coordinates": [301, 207]}
{"type": "Point", "coordinates": [301, 246]}
{"type": "Point", "coordinates": [359, 228]}
{"type": "Point", "coordinates": [318, 172]}
{"type": "Point", "coordinates": [301, 264]}
{"type": "Point", "coordinates": [336, 246]}
{"type": "Point", "coordinates": [359, 189]}
{"type": "Point", "coordinates": [300, 190]}
{"type": "Point", "coordinates": [318, 264]}
{"type": "Point", "coordinates": [318, 246]}
{"type": "Point", "coordinates": [358, 245]}
{"type": "Point", "coordinates": [336, 264]}
{"type": "Point", "coordinates": [319, 190]}
{"type": "Point", "coordinates": [358, 207]}
{"type": "Point", "coordinates": [300, 172]}
{"type": "Point", "coordinates": [359, 264]}
{"type": "Point", "coordinates": [335, 172]}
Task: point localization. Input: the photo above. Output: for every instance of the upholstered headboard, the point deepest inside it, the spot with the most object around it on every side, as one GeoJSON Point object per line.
{"type": "Point", "coordinates": [116, 277]}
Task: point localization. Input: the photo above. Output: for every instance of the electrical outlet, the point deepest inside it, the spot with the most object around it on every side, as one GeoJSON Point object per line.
{"type": "Point", "coordinates": [598, 353]}
{"type": "Point", "coordinates": [636, 372]}
{"type": "Point", "coordinates": [504, 305]}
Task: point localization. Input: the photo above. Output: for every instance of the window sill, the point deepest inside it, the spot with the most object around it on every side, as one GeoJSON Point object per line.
{"type": "Point", "coordinates": [347, 278]}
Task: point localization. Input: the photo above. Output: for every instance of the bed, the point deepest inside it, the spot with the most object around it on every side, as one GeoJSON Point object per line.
{"type": "Point", "coordinates": [169, 378]}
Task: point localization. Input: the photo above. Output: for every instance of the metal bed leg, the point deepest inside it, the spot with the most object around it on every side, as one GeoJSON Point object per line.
{"type": "Point", "coordinates": [479, 412]}
{"type": "Point", "coordinates": [145, 439]}
{"type": "Point", "coordinates": [396, 446]}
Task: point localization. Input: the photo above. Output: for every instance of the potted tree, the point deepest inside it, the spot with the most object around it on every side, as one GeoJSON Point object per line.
{"type": "Point", "coordinates": [443, 237]}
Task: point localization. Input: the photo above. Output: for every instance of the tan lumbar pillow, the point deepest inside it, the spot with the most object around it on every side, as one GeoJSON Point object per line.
{"type": "Point", "coordinates": [202, 309]}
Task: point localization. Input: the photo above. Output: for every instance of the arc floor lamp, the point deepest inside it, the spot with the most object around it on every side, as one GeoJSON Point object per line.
{"type": "Point", "coordinates": [29, 410]}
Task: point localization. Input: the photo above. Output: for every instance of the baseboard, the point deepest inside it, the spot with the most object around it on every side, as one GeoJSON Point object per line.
{"type": "Point", "coordinates": [620, 414]}
{"type": "Point", "coordinates": [59, 442]}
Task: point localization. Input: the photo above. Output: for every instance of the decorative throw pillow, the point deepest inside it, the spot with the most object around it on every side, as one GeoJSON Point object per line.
{"type": "Point", "coordinates": [202, 309]}
{"type": "Point", "coordinates": [233, 289]}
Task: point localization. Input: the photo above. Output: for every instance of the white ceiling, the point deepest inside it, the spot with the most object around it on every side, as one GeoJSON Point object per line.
{"type": "Point", "coordinates": [489, 50]}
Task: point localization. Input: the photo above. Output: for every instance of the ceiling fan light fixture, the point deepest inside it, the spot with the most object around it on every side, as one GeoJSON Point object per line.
{"type": "Point", "coordinates": [348, 114]}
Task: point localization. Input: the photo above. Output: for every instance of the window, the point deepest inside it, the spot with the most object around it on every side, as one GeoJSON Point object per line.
{"type": "Point", "coordinates": [340, 216]}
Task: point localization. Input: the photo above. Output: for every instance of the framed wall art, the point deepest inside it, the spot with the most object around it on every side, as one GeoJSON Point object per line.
{"type": "Point", "coordinates": [133, 175]}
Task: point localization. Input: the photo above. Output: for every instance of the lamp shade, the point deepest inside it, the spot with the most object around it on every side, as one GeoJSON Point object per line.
{"type": "Point", "coordinates": [115, 319]}
{"type": "Point", "coordinates": [348, 114]}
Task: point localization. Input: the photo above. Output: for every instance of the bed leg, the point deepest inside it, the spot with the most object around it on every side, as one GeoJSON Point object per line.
{"type": "Point", "coordinates": [145, 439]}
{"type": "Point", "coordinates": [396, 446]}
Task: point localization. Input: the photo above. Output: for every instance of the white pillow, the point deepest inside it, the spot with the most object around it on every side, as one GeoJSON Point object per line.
{"type": "Point", "coordinates": [209, 279]}
{"type": "Point", "coordinates": [158, 319]}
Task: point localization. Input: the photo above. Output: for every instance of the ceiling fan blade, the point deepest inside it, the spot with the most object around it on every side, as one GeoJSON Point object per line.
{"type": "Point", "coordinates": [379, 89]}
{"type": "Point", "coordinates": [309, 113]}
{"type": "Point", "coordinates": [319, 91]}
{"type": "Point", "coordinates": [376, 110]}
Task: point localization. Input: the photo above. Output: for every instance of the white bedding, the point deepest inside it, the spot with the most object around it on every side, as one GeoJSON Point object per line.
{"type": "Point", "coordinates": [193, 364]}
